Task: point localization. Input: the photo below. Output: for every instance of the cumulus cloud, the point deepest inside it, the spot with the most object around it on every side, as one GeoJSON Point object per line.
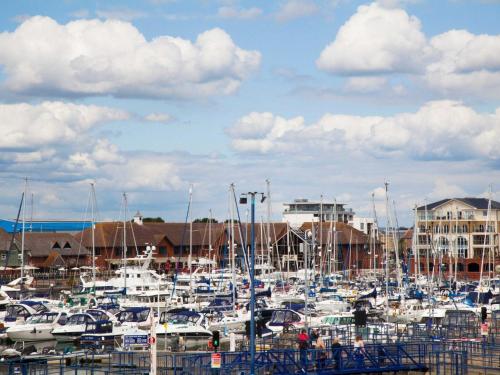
{"type": "Point", "coordinates": [439, 130]}
{"type": "Point", "coordinates": [159, 117]}
{"type": "Point", "coordinates": [94, 57]}
{"type": "Point", "coordinates": [237, 13]}
{"type": "Point", "coordinates": [56, 141]}
{"type": "Point", "coordinates": [375, 40]}
{"type": "Point", "coordinates": [27, 126]}
{"type": "Point", "coordinates": [381, 39]}
{"type": "Point", "coordinates": [293, 9]}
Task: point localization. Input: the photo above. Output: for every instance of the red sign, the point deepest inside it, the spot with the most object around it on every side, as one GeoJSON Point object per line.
{"type": "Point", "coordinates": [152, 340]}
{"type": "Point", "coordinates": [216, 360]}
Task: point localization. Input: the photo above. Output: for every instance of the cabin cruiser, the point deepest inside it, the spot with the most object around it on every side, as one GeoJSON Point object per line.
{"type": "Point", "coordinates": [76, 324]}
{"type": "Point", "coordinates": [332, 303]}
{"type": "Point", "coordinates": [133, 278]}
{"type": "Point", "coordinates": [38, 327]}
{"type": "Point", "coordinates": [190, 325]}
{"type": "Point", "coordinates": [18, 313]}
{"type": "Point", "coordinates": [133, 318]}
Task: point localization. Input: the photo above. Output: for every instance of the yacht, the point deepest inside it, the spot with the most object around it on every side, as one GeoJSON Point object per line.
{"type": "Point", "coordinates": [76, 324]}
{"type": "Point", "coordinates": [38, 327]}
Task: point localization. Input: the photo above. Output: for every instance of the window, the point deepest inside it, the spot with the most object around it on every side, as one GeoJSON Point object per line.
{"type": "Point", "coordinates": [56, 246]}
{"type": "Point", "coordinates": [436, 229]}
{"type": "Point", "coordinates": [163, 250]}
{"type": "Point", "coordinates": [362, 226]}
{"type": "Point", "coordinates": [473, 267]}
{"type": "Point", "coordinates": [464, 228]}
{"type": "Point", "coordinates": [446, 228]}
{"type": "Point", "coordinates": [97, 251]}
{"type": "Point", "coordinates": [67, 246]}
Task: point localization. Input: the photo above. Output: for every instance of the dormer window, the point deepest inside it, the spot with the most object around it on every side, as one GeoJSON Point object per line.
{"type": "Point", "coordinates": [67, 246]}
{"type": "Point", "coordinates": [56, 246]}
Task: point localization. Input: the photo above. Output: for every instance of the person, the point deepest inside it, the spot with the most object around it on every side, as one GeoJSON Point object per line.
{"type": "Point", "coordinates": [359, 347]}
{"type": "Point", "coordinates": [314, 338]}
{"type": "Point", "coordinates": [303, 342]}
{"type": "Point", "coordinates": [320, 353]}
{"type": "Point", "coordinates": [336, 351]}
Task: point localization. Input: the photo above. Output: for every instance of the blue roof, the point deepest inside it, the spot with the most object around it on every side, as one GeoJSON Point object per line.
{"type": "Point", "coordinates": [45, 226]}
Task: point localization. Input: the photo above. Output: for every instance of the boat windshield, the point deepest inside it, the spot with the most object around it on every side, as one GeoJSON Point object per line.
{"type": "Point", "coordinates": [338, 320]}
{"type": "Point", "coordinates": [285, 316]}
{"type": "Point", "coordinates": [77, 319]}
{"type": "Point", "coordinates": [98, 315]}
{"type": "Point", "coordinates": [41, 318]}
{"type": "Point", "coordinates": [183, 318]}
{"type": "Point", "coordinates": [15, 311]}
{"type": "Point", "coordinates": [133, 315]}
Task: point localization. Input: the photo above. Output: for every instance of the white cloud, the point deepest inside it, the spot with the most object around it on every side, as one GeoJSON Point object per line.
{"type": "Point", "coordinates": [376, 40]}
{"type": "Point", "coordinates": [159, 117]}
{"type": "Point", "coordinates": [263, 132]}
{"type": "Point", "coordinates": [292, 9]}
{"type": "Point", "coordinates": [121, 13]}
{"type": "Point", "coordinates": [142, 172]}
{"type": "Point", "coordinates": [365, 84]}
{"type": "Point", "coordinates": [236, 13]}
{"type": "Point", "coordinates": [93, 57]}
{"type": "Point", "coordinates": [26, 126]}
{"type": "Point", "coordinates": [440, 130]}
{"type": "Point", "coordinates": [442, 189]}
{"type": "Point", "coordinates": [381, 39]}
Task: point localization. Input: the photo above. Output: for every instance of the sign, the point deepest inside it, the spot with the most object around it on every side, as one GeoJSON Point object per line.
{"type": "Point", "coordinates": [216, 360]}
{"type": "Point", "coordinates": [129, 340]}
{"type": "Point", "coordinates": [484, 329]}
{"type": "Point", "coordinates": [152, 340]}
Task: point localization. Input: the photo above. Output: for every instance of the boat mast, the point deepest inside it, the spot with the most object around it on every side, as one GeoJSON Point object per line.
{"type": "Point", "coordinates": [320, 235]}
{"type": "Point", "coordinates": [486, 241]}
{"type": "Point", "coordinates": [268, 226]}
{"type": "Point", "coordinates": [23, 230]}
{"type": "Point", "coordinates": [92, 208]}
{"type": "Point", "coordinates": [335, 235]}
{"type": "Point", "coordinates": [416, 254]}
{"type": "Point", "coordinates": [190, 259]}
{"type": "Point", "coordinates": [125, 203]}
{"type": "Point", "coordinates": [232, 245]}
{"type": "Point", "coordinates": [374, 235]}
{"type": "Point", "coordinates": [210, 240]}
{"type": "Point", "coordinates": [387, 250]}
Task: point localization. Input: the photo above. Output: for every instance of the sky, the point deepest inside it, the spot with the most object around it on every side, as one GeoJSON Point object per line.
{"type": "Point", "coordinates": [327, 98]}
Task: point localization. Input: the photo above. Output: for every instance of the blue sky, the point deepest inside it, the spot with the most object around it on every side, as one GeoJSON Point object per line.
{"type": "Point", "coordinates": [329, 97]}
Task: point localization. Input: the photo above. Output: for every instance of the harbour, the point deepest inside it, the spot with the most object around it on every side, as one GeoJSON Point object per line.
{"type": "Point", "coordinates": [236, 187]}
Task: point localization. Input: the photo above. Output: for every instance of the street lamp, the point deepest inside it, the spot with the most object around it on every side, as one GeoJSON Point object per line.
{"type": "Point", "coordinates": [244, 200]}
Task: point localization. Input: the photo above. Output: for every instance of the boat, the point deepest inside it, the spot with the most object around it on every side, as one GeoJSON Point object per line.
{"type": "Point", "coordinates": [76, 324]}
{"type": "Point", "coordinates": [38, 327]}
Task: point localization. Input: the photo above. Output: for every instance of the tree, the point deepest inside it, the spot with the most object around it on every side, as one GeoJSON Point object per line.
{"type": "Point", "coordinates": [153, 220]}
{"type": "Point", "coordinates": [205, 220]}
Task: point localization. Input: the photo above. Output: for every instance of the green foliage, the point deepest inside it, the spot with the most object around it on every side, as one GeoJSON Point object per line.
{"type": "Point", "coordinates": [153, 220]}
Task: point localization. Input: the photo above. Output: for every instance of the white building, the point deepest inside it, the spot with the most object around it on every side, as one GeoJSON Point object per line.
{"type": "Point", "coordinates": [302, 211]}
{"type": "Point", "coordinates": [364, 224]}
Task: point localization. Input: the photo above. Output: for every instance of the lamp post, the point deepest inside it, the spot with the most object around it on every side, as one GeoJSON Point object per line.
{"type": "Point", "coordinates": [243, 200]}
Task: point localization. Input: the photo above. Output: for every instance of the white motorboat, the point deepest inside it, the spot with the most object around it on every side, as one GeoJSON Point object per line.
{"type": "Point", "coordinates": [76, 324]}
{"type": "Point", "coordinates": [38, 327]}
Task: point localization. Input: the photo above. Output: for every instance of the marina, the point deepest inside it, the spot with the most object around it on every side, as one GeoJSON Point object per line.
{"type": "Point", "coordinates": [240, 308]}
{"type": "Point", "coordinates": [241, 187]}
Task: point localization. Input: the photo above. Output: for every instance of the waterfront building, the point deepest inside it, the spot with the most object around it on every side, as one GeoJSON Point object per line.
{"type": "Point", "coordinates": [302, 211]}
{"type": "Point", "coordinates": [463, 228]}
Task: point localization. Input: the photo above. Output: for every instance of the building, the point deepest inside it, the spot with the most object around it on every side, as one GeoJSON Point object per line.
{"type": "Point", "coordinates": [364, 224]}
{"type": "Point", "coordinates": [464, 229]}
{"type": "Point", "coordinates": [302, 211]}
{"type": "Point", "coordinates": [42, 250]}
{"type": "Point", "coordinates": [62, 226]}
